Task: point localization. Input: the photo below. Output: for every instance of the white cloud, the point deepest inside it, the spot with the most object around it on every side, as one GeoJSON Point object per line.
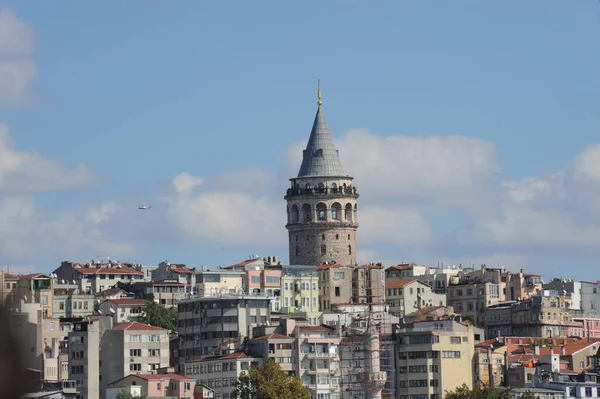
{"type": "Point", "coordinates": [445, 170]}
{"type": "Point", "coordinates": [228, 217]}
{"type": "Point", "coordinates": [396, 226]}
{"type": "Point", "coordinates": [28, 235]}
{"type": "Point", "coordinates": [27, 171]}
{"type": "Point", "coordinates": [184, 182]}
{"type": "Point", "coordinates": [17, 68]}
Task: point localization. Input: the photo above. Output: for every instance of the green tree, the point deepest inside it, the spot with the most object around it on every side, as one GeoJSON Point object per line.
{"type": "Point", "coordinates": [126, 395]}
{"type": "Point", "coordinates": [160, 316]}
{"type": "Point", "coordinates": [269, 381]}
{"type": "Point", "coordinates": [480, 391]}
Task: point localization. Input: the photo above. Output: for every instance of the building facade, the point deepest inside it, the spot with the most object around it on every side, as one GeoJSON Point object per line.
{"type": "Point", "coordinates": [321, 204]}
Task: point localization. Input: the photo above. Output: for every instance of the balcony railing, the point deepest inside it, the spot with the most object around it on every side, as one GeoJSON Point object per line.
{"type": "Point", "coordinates": [295, 192]}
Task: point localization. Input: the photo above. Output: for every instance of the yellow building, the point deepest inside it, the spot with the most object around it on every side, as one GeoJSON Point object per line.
{"type": "Point", "coordinates": [300, 291]}
{"type": "Point", "coordinates": [434, 357]}
{"type": "Point", "coordinates": [336, 285]}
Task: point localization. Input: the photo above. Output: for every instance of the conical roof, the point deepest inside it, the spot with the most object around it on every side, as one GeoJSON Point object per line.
{"type": "Point", "coordinates": [320, 158]}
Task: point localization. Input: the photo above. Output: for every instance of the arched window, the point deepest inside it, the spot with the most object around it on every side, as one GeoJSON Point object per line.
{"type": "Point", "coordinates": [307, 213]}
{"type": "Point", "coordinates": [323, 250]}
{"type": "Point", "coordinates": [348, 212]}
{"type": "Point", "coordinates": [321, 188]}
{"type": "Point", "coordinates": [336, 211]}
{"type": "Point", "coordinates": [321, 211]}
{"type": "Point", "coordinates": [295, 217]}
{"type": "Point", "coordinates": [349, 249]}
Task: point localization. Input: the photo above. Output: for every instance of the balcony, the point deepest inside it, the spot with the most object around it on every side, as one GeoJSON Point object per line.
{"type": "Point", "coordinates": [316, 192]}
{"type": "Point", "coordinates": [322, 355]}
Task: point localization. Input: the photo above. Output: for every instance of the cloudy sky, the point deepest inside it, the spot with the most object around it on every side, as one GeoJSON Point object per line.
{"type": "Point", "coordinates": [472, 129]}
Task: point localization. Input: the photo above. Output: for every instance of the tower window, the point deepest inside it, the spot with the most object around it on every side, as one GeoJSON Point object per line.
{"type": "Point", "coordinates": [321, 211]}
{"type": "Point", "coordinates": [323, 237]}
{"type": "Point", "coordinates": [323, 250]}
{"type": "Point", "coordinates": [297, 237]}
{"type": "Point", "coordinates": [334, 214]}
{"type": "Point", "coordinates": [297, 250]}
{"type": "Point", "coordinates": [348, 236]}
{"type": "Point", "coordinates": [337, 236]}
{"type": "Point", "coordinates": [349, 249]}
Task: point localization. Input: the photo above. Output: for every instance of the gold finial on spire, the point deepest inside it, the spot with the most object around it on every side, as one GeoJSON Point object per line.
{"type": "Point", "coordinates": [319, 102]}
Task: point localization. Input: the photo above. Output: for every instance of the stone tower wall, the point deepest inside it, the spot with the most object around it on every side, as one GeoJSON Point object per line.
{"type": "Point", "coordinates": [322, 223]}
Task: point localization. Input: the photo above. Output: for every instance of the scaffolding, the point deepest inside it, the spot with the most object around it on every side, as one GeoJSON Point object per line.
{"type": "Point", "coordinates": [367, 348]}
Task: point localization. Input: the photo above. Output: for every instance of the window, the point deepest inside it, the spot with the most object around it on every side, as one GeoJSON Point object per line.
{"type": "Point", "coordinates": [337, 236]}
{"type": "Point", "coordinates": [323, 237]}
{"type": "Point", "coordinates": [61, 305]}
{"type": "Point", "coordinates": [297, 251]}
{"type": "Point", "coordinates": [349, 249]}
{"type": "Point", "coordinates": [323, 250]}
{"type": "Point", "coordinates": [135, 367]}
{"type": "Point", "coordinates": [337, 291]}
{"type": "Point", "coordinates": [338, 275]}
{"type": "Point", "coordinates": [154, 338]}
{"type": "Point", "coordinates": [135, 338]}
{"type": "Point", "coordinates": [255, 279]}
{"type": "Point", "coordinates": [135, 352]}
{"type": "Point", "coordinates": [334, 213]}
{"type": "Point", "coordinates": [153, 352]}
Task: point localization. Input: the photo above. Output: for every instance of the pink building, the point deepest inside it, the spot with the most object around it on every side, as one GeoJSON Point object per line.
{"type": "Point", "coordinates": [154, 385]}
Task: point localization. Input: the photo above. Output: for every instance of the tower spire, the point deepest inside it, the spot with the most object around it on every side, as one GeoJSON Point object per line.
{"type": "Point", "coordinates": [319, 102]}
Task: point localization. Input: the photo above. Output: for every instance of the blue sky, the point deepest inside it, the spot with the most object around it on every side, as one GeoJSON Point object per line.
{"type": "Point", "coordinates": [501, 96]}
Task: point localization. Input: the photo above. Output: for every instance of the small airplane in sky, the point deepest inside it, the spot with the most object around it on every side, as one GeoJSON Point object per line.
{"type": "Point", "coordinates": [144, 207]}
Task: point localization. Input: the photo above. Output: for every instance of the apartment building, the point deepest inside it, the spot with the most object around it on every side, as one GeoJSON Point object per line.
{"type": "Point", "coordinates": [169, 385]}
{"type": "Point", "coordinates": [219, 282]}
{"type": "Point", "coordinates": [546, 315]}
{"type": "Point", "coordinates": [95, 277]}
{"type": "Point", "coordinates": [69, 302]}
{"type": "Point", "coordinates": [133, 348]}
{"type": "Point", "coordinates": [472, 298]}
{"type": "Point", "coordinates": [434, 357]}
{"type": "Point", "coordinates": [300, 291]}
{"type": "Point", "coordinates": [368, 284]}
{"type": "Point", "coordinates": [407, 296]}
{"type": "Point", "coordinates": [31, 288]}
{"type": "Point", "coordinates": [123, 310]}
{"type": "Point", "coordinates": [317, 353]}
{"type": "Point", "coordinates": [176, 272]}
{"type": "Point", "coordinates": [207, 322]}
{"type": "Point", "coordinates": [167, 293]}
{"type": "Point", "coordinates": [278, 347]}
{"type": "Point", "coordinates": [84, 357]}
{"type": "Point", "coordinates": [220, 373]}
{"type": "Point", "coordinates": [335, 285]}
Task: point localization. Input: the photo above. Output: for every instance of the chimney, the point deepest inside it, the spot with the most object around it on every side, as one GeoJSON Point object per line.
{"type": "Point", "coordinates": [505, 371]}
{"type": "Point", "coordinates": [563, 352]}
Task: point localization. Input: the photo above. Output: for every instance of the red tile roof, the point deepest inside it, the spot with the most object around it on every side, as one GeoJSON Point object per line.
{"type": "Point", "coordinates": [272, 336]}
{"type": "Point", "coordinates": [128, 302]}
{"type": "Point", "coordinates": [372, 266]}
{"type": "Point", "coordinates": [398, 283]}
{"type": "Point", "coordinates": [135, 326]}
{"type": "Point", "coordinates": [570, 347]}
{"type": "Point", "coordinates": [180, 269]}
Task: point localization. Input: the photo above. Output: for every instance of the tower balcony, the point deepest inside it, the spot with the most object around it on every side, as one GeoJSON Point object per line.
{"type": "Point", "coordinates": [321, 224]}
{"type": "Point", "coordinates": [321, 192]}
